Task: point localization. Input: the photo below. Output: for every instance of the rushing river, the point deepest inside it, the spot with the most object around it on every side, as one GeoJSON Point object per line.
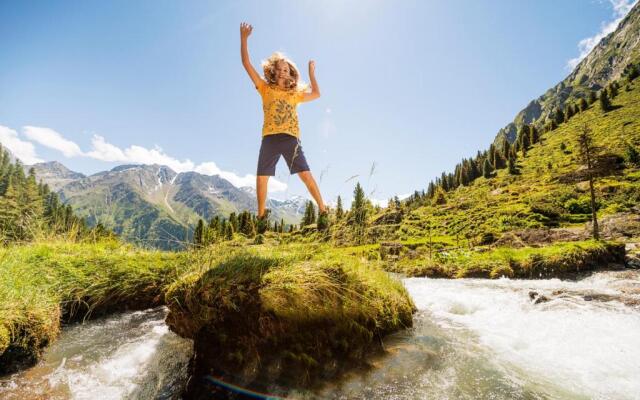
{"type": "Point", "coordinates": [472, 339]}
{"type": "Point", "coordinates": [131, 355]}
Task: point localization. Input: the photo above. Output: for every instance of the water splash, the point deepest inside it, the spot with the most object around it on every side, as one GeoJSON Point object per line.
{"type": "Point", "coordinates": [131, 355]}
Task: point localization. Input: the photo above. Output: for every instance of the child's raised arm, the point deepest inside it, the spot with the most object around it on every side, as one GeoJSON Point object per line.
{"type": "Point", "coordinates": [315, 89]}
{"type": "Point", "coordinates": [245, 31]}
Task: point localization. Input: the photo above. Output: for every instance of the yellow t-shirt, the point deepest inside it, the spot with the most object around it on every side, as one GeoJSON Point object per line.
{"type": "Point", "coordinates": [279, 106]}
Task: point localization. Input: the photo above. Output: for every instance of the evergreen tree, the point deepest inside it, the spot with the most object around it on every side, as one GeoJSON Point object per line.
{"type": "Point", "coordinates": [228, 231]}
{"type": "Point", "coordinates": [512, 166]}
{"type": "Point", "coordinates": [534, 137]}
{"type": "Point", "coordinates": [10, 212]}
{"type": "Point", "coordinates": [568, 113]}
{"type": "Point", "coordinates": [592, 97]}
{"type": "Point", "coordinates": [583, 105]}
{"type": "Point", "coordinates": [587, 153]}
{"type": "Point", "coordinates": [631, 154]}
{"type": "Point", "coordinates": [359, 212]}
{"type": "Point", "coordinates": [233, 220]}
{"type": "Point", "coordinates": [487, 169]}
{"type": "Point", "coordinates": [396, 202]}
{"type": "Point", "coordinates": [506, 147]}
{"type": "Point", "coordinates": [605, 104]}
{"type": "Point", "coordinates": [199, 234]}
{"type": "Point", "coordinates": [444, 182]}
{"type": "Point", "coordinates": [339, 210]}
{"type": "Point", "coordinates": [309, 214]}
{"type": "Point", "coordinates": [431, 189]}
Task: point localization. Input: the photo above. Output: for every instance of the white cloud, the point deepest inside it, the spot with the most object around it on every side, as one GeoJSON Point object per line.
{"type": "Point", "coordinates": [620, 9]}
{"type": "Point", "coordinates": [105, 151]}
{"type": "Point", "coordinates": [22, 149]}
{"type": "Point", "coordinates": [210, 168]}
{"type": "Point", "coordinates": [52, 139]}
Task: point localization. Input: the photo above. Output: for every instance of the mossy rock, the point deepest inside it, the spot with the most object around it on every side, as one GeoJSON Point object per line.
{"type": "Point", "coordinates": [291, 319]}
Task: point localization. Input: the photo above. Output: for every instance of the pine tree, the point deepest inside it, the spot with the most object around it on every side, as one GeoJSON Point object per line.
{"type": "Point", "coordinates": [631, 154]}
{"type": "Point", "coordinates": [568, 113]}
{"type": "Point", "coordinates": [487, 169]}
{"type": "Point", "coordinates": [533, 135]}
{"type": "Point", "coordinates": [587, 155]}
{"type": "Point", "coordinates": [506, 147]}
{"type": "Point", "coordinates": [359, 211]}
{"type": "Point", "coordinates": [228, 231]}
{"type": "Point", "coordinates": [559, 117]}
{"type": "Point", "coordinates": [233, 220]}
{"type": "Point", "coordinates": [592, 97]}
{"type": "Point", "coordinates": [583, 105]}
{"type": "Point", "coordinates": [339, 210]}
{"type": "Point", "coordinates": [32, 202]}
{"type": "Point", "coordinates": [605, 104]}
{"type": "Point", "coordinates": [199, 234]}
{"type": "Point", "coordinates": [10, 211]}
{"type": "Point", "coordinates": [309, 214]}
{"type": "Point", "coordinates": [431, 189]}
{"type": "Point", "coordinates": [511, 164]}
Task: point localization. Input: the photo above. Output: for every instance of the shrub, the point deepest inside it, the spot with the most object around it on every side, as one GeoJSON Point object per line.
{"type": "Point", "coordinates": [581, 205]}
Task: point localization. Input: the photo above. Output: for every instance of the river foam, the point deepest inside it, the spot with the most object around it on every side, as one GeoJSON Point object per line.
{"type": "Point", "coordinates": [584, 338]}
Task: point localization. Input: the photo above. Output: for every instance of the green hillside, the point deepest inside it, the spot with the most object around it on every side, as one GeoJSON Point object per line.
{"type": "Point", "coordinates": [537, 197]}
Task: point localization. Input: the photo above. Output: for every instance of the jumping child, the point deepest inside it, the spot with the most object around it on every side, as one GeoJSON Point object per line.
{"type": "Point", "coordinates": [281, 93]}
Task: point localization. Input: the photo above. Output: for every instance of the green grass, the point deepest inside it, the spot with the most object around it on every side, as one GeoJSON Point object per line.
{"type": "Point", "coordinates": [535, 198]}
{"type": "Point", "coordinates": [556, 260]}
{"type": "Point", "coordinates": [45, 284]}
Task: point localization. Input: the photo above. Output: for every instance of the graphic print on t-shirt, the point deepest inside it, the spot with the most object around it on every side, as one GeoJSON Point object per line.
{"type": "Point", "coordinates": [279, 106]}
{"type": "Point", "coordinates": [283, 112]}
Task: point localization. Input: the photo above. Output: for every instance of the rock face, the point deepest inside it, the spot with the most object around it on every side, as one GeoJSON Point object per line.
{"type": "Point", "coordinates": [54, 174]}
{"type": "Point", "coordinates": [618, 226]}
{"type": "Point", "coordinates": [605, 63]}
{"type": "Point", "coordinates": [632, 257]}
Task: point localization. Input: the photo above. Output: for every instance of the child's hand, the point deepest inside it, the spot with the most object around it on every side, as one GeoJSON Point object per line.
{"type": "Point", "coordinates": [312, 67]}
{"type": "Point", "coordinates": [245, 30]}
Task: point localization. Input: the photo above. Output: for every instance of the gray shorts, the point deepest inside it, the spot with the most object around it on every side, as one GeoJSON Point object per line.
{"type": "Point", "coordinates": [277, 144]}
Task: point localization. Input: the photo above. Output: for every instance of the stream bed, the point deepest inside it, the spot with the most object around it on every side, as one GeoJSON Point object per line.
{"type": "Point", "coordinates": [472, 339]}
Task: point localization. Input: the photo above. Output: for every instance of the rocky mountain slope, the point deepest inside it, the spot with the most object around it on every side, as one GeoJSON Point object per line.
{"type": "Point", "coordinates": [606, 62]}
{"type": "Point", "coordinates": [153, 205]}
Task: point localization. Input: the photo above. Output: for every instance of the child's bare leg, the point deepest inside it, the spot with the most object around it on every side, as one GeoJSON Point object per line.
{"type": "Point", "coordinates": [308, 180]}
{"type": "Point", "coordinates": [261, 190]}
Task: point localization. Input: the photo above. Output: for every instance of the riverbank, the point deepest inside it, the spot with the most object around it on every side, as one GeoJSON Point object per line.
{"type": "Point", "coordinates": [45, 285]}
{"type": "Point", "coordinates": [315, 310]}
{"type": "Point", "coordinates": [284, 317]}
{"type": "Point", "coordinates": [556, 260]}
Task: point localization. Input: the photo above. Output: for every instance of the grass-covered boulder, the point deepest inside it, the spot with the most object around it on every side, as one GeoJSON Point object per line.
{"type": "Point", "coordinates": [289, 316]}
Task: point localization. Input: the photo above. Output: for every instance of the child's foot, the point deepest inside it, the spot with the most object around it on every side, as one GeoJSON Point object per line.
{"type": "Point", "coordinates": [263, 222]}
{"type": "Point", "coordinates": [323, 221]}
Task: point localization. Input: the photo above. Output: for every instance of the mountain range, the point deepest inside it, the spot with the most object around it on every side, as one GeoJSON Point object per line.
{"type": "Point", "coordinates": [153, 205]}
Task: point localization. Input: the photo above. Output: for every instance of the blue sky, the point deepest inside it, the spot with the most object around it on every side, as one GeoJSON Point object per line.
{"type": "Point", "coordinates": [408, 87]}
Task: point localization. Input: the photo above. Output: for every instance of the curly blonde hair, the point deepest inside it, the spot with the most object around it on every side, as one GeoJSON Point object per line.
{"type": "Point", "coordinates": [269, 68]}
